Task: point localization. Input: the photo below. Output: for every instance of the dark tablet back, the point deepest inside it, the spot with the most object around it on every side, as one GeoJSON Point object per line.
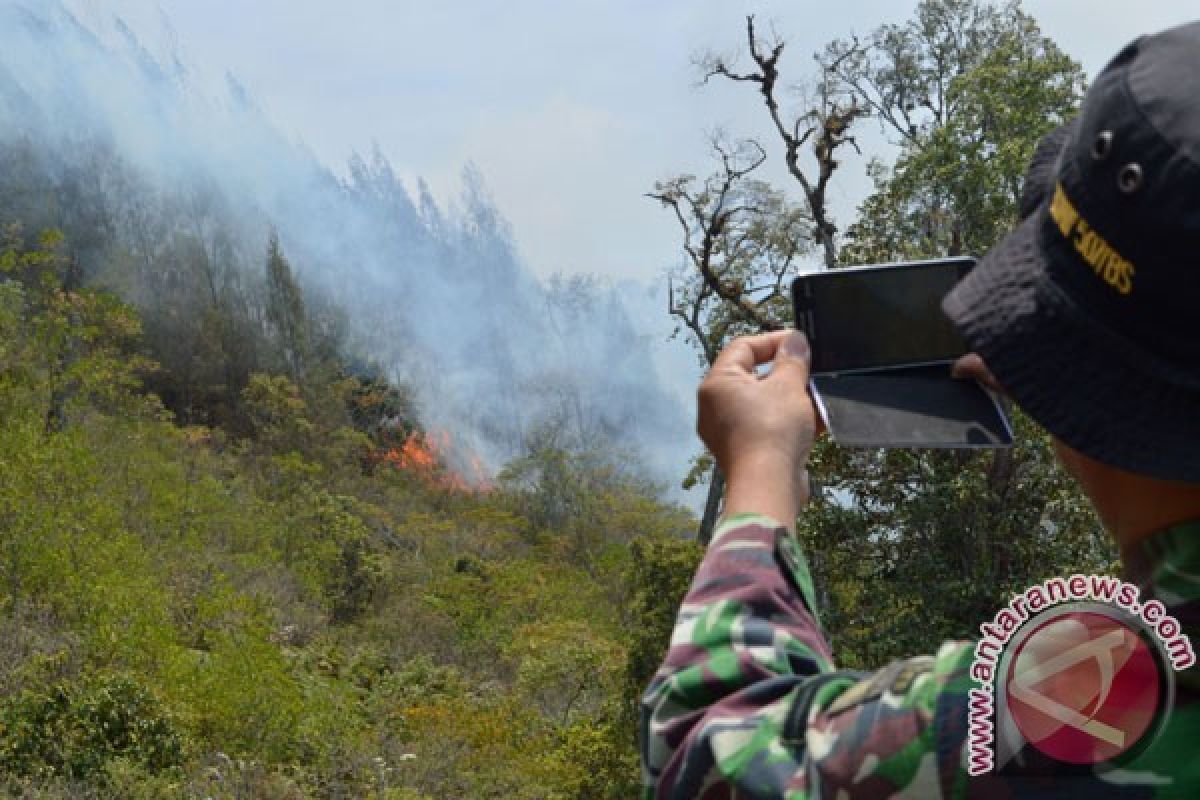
{"type": "Point", "coordinates": [911, 407]}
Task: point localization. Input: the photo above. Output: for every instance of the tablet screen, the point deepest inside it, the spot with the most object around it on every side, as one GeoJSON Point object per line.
{"type": "Point", "coordinates": [878, 317]}
{"type": "Point", "coordinates": [917, 407]}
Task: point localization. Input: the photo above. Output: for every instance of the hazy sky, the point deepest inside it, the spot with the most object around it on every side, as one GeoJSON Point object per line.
{"type": "Point", "coordinates": [570, 108]}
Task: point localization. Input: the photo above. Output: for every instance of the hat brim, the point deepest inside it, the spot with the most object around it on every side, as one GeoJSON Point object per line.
{"type": "Point", "coordinates": [1079, 380]}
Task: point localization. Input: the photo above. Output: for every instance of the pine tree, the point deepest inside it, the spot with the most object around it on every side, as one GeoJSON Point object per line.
{"type": "Point", "coordinates": [286, 315]}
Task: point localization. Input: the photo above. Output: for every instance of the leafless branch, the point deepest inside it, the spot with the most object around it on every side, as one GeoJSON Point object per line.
{"type": "Point", "coordinates": [707, 216]}
{"type": "Point", "coordinates": [825, 125]}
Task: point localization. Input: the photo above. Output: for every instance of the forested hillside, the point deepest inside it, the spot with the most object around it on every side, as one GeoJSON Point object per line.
{"type": "Point", "coordinates": [307, 487]}
{"type": "Point", "coordinates": [305, 602]}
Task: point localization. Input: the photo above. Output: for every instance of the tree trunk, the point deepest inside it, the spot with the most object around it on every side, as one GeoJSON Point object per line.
{"type": "Point", "coordinates": [712, 507]}
{"type": "Point", "coordinates": [60, 394]}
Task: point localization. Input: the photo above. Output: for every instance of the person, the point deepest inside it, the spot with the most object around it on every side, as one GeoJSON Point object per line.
{"type": "Point", "coordinates": [1088, 316]}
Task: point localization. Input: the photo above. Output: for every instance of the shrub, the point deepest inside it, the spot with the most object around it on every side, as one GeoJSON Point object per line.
{"type": "Point", "coordinates": [74, 730]}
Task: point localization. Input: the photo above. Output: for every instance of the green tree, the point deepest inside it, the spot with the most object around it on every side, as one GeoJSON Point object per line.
{"type": "Point", "coordinates": [966, 89]}
{"type": "Point", "coordinates": [77, 345]}
{"type": "Point", "coordinates": [75, 731]}
{"type": "Point", "coordinates": [589, 502]}
{"type": "Point", "coordinates": [285, 312]}
{"type": "Point", "coordinates": [660, 571]}
{"type": "Point", "coordinates": [914, 547]}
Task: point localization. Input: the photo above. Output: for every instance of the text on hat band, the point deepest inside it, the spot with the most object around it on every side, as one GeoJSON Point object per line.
{"type": "Point", "coordinates": [1107, 263]}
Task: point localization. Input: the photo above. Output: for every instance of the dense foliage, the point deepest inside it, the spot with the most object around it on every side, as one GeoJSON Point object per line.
{"type": "Point", "coordinates": [297, 609]}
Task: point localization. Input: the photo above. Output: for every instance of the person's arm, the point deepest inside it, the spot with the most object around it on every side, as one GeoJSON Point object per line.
{"type": "Point", "coordinates": [748, 695]}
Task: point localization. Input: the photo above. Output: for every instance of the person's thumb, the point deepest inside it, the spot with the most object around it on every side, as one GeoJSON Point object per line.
{"type": "Point", "coordinates": [792, 359]}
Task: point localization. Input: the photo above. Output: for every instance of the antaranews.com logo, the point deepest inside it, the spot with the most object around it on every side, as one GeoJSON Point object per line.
{"type": "Point", "coordinates": [1084, 672]}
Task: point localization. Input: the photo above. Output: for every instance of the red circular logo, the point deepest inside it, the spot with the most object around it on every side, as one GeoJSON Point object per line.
{"type": "Point", "coordinates": [1083, 687]}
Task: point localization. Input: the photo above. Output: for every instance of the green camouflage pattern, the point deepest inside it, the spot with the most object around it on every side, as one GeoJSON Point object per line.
{"type": "Point", "coordinates": [749, 704]}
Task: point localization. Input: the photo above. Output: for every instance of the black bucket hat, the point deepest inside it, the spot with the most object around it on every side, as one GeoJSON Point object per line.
{"type": "Point", "coordinates": [1089, 312]}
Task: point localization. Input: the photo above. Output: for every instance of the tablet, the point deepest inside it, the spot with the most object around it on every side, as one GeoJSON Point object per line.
{"type": "Point", "coordinates": [882, 351]}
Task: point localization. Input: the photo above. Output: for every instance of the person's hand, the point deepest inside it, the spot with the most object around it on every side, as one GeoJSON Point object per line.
{"type": "Point", "coordinates": [760, 428]}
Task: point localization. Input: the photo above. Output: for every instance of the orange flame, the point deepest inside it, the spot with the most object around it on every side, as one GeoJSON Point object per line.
{"type": "Point", "coordinates": [425, 455]}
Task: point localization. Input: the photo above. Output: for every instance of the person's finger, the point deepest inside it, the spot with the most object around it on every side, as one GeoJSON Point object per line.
{"type": "Point", "coordinates": [972, 366]}
{"type": "Point", "coordinates": [969, 366]}
{"type": "Point", "coordinates": [746, 352]}
{"type": "Point", "coordinates": [792, 360]}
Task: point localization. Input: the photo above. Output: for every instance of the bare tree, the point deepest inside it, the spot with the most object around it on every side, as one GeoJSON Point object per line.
{"type": "Point", "coordinates": [741, 237]}
{"type": "Point", "coordinates": [831, 111]}
{"type": "Point", "coordinates": [741, 240]}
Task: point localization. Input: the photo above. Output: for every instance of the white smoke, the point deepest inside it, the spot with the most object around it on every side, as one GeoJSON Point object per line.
{"type": "Point", "coordinates": [435, 294]}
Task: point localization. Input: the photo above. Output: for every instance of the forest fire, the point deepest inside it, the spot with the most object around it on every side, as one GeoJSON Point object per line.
{"type": "Point", "coordinates": [425, 454]}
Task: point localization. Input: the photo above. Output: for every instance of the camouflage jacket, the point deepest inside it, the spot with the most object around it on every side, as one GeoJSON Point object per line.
{"type": "Point", "coordinates": [749, 703]}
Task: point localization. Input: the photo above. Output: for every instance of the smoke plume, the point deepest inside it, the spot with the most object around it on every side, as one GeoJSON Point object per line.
{"type": "Point", "coordinates": [124, 150]}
